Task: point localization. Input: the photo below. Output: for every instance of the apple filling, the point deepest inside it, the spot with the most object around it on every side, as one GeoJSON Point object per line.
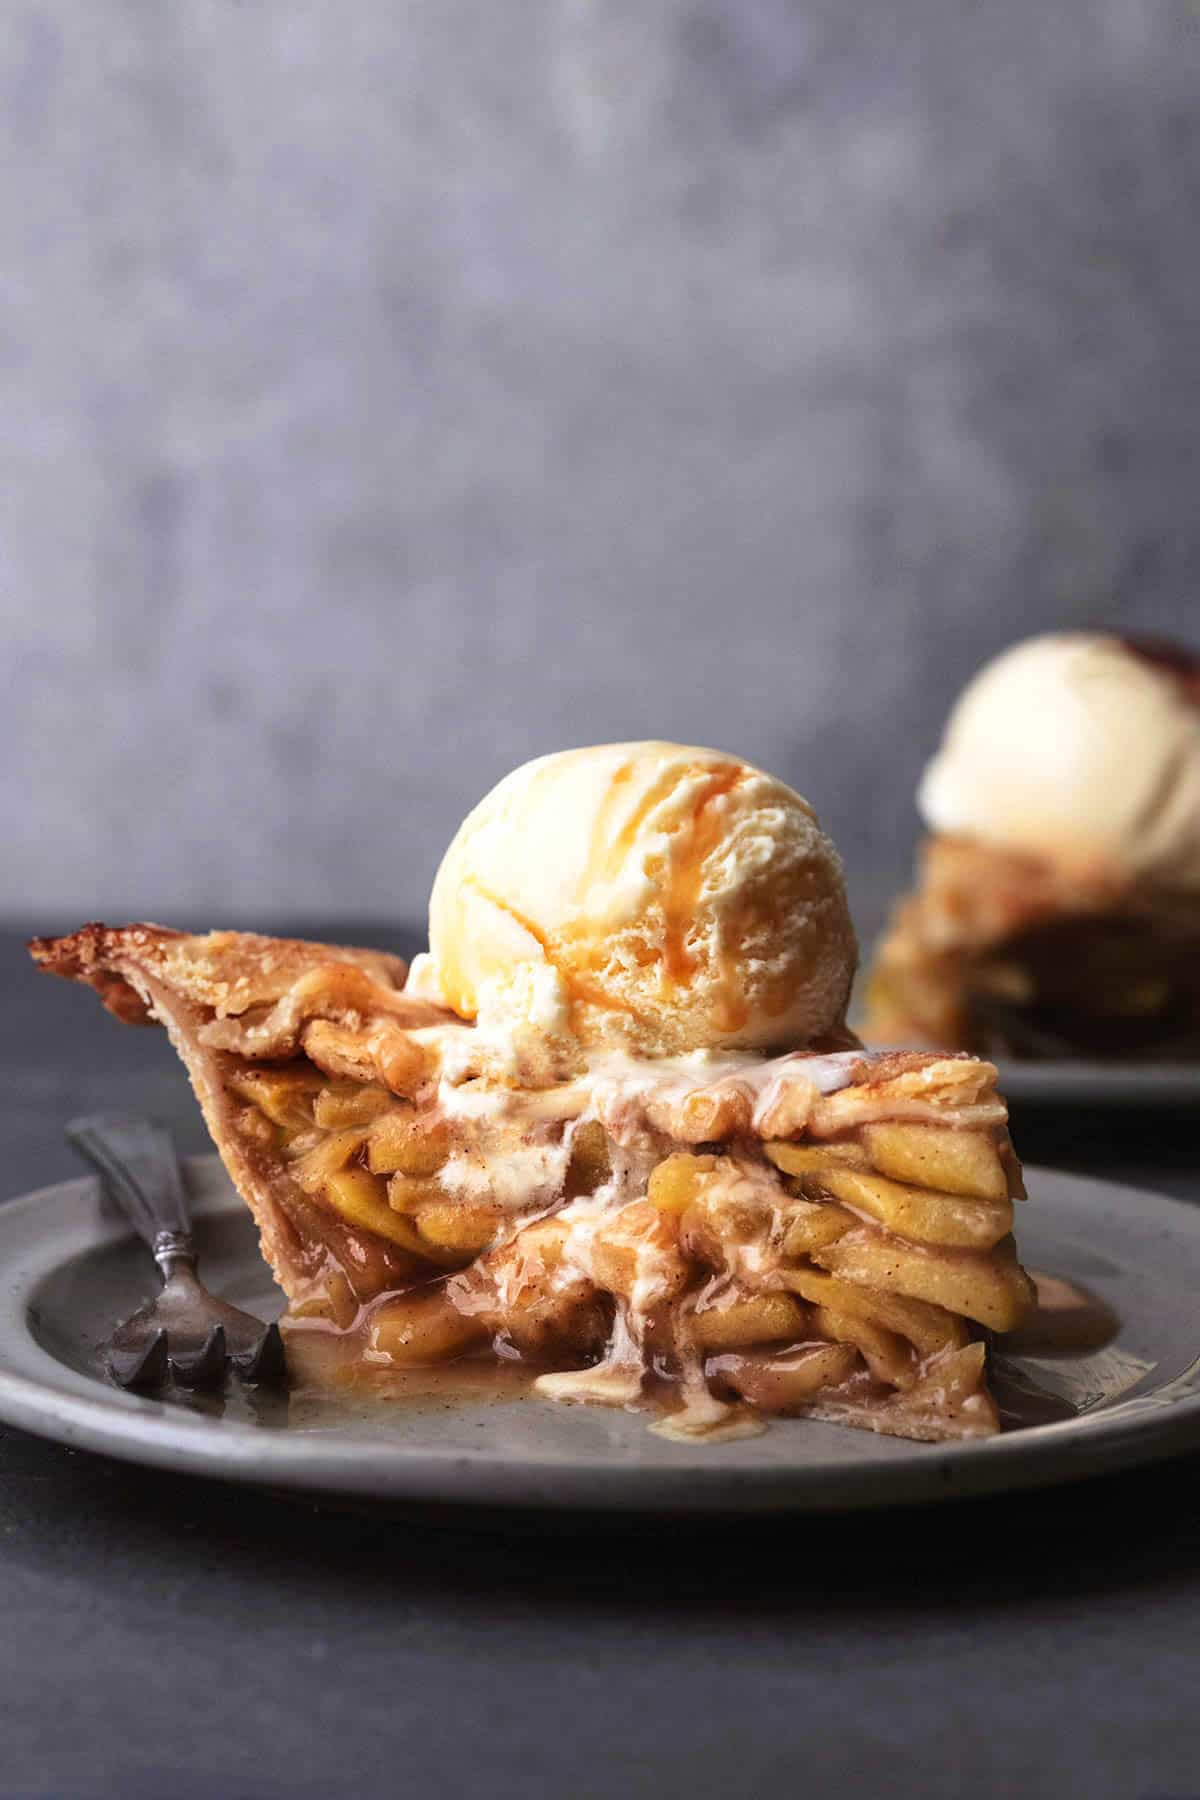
{"type": "Point", "coordinates": [855, 1275]}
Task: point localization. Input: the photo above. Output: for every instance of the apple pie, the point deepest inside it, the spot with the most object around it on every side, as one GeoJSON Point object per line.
{"type": "Point", "coordinates": [717, 1235]}
{"type": "Point", "coordinates": [1056, 910]}
{"type": "Point", "coordinates": [1009, 955]}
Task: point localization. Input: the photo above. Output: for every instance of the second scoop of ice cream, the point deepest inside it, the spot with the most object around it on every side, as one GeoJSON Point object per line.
{"type": "Point", "coordinates": [647, 896]}
{"type": "Point", "coordinates": [1081, 749]}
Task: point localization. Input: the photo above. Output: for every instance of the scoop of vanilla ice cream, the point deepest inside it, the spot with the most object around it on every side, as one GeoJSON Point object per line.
{"type": "Point", "coordinates": [647, 896]}
{"type": "Point", "coordinates": [1078, 748]}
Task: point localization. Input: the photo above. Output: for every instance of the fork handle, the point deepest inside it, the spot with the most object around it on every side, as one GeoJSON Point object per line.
{"type": "Point", "coordinates": [136, 1161]}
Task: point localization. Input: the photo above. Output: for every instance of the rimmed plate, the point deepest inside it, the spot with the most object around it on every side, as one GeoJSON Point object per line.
{"type": "Point", "coordinates": [68, 1271]}
{"type": "Point", "coordinates": [1129, 1086]}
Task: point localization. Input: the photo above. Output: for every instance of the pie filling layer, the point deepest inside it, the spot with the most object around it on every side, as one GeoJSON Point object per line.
{"type": "Point", "coordinates": [716, 1239]}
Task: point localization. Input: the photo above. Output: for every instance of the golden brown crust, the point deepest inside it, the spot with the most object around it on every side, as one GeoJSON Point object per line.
{"type": "Point", "coordinates": [910, 1068]}
{"type": "Point", "coordinates": [975, 895]}
{"type": "Point", "coordinates": [86, 956]}
{"type": "Point", "coordinates": [226, 971]}
{"type": "Point", "coordinates": [257, 994]}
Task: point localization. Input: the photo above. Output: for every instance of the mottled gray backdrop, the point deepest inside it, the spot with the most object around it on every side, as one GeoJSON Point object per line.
{"type": "Point", "coordinates": [394, 389]}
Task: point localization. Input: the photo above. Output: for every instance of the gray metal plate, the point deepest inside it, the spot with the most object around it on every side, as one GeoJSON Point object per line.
{"type": "Point", "coordinates": [68, 1272]}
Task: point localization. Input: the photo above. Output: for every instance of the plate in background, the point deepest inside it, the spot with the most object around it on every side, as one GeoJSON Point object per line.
{"type": "Point", "coordinates": [1126, 1085]}
{"type": "Point", "coordinates": [69, 1271]}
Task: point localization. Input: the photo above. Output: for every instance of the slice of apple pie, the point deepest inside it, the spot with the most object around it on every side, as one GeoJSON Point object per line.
{"type": "Point", "coordinates": [1056, 907]}
{"type": "Point", "coordinates": [717, 1233]}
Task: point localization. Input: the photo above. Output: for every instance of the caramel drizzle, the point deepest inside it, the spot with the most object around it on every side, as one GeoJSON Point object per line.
{"type": "Point", "coordinates": [692, 844]}
{"type": "Point", "coordinates": [685, 877]}
{"type": "Point", "coordinates": [579, 987]}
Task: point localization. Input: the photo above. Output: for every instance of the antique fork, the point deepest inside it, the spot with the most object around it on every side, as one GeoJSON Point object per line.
{"type": "Point", "coordinates": [186, 1332]}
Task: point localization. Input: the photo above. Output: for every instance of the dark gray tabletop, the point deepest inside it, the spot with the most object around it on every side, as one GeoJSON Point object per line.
{"type": "Point", "coordinates": [170, 1637]}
